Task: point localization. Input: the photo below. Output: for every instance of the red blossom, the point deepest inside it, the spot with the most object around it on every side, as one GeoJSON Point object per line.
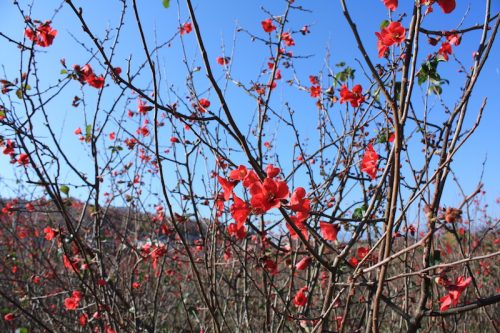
{"type": "Point", "coordinates": [369, 162]}
{"type": "Point", "coordinates": [454, 39]}
{"type": "Point", "coordinates": [23, 159]}
{"type": "Point", "coordinates": [49, 233]}
{"type": "Point", "coordinates": [238, 174]}
{"type": "Point", "coordinates": [268, 25]}
{"type": "Point", "coordinates": [272, 171]}
{"type": "Point", "coordinates": [250, 178]}
{"type": "Point", "coordinates": [203, 104]}
{"type": "Point", "coordinates": [315, 91]}
{"type": "Point", "coordinates": [239, 210]}
{"type": "Point", "coordinates": [142, 107]}
{"type": "Point", "coordinates": [268, 194]}
{"type": "Point", "coordinates": [300, 298]}
{"type": "Point", "coordinates": [299, 223]}
{"type": "Point", "coordinates": [223, 60]}
{"type": "Point", "coordinates": [391, 4]}
{"type": "Point", "coordinates": [298, 201]}
{"type": "Point", "coordinates": [71, 303]}
{"type": "Point", "coordinates": [447, 6]}
{"type": "Point", "coordinates": [394, 33]}
{"type": "Point", "coordinates": [354, 96]}
{"type": "Point", "coordinates": [329, 230]}
{"type": "Point", "coordinates": [238, 232]}
{"type": "Point", "coordinates": [43, 35]}
{"type": "Point", "coordinates": [227, 187]}
{"type": "Point", "coordinates": [287, 38]}
{"type": "Point", "coordinates": [9, 317]}
{"type": "Point", "coordinates": [303, 264]}
{"type": "Point", "coordinates": [445, 50]}
{"type": "Point", "coordinates": [186, 28]}
{"type": "Point", "coordinates": [454, 292]}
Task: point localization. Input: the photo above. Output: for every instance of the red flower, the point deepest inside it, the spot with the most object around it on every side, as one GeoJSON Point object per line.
{"type": "Point", "coordinates": [447, 6]}
{"type": "Point", "coordinates": [329, 230]}
{"type": "Point", "coordinates": [239, 210]}
{"type": "Point", "coordinates": [454, 292]}
{"type": "Point", "coordinates": [43, 35]}
{"type": "Point", "coordinates": [272, 171]}
{"type": "Point", "coordinates": [445, 50]}
{"type": "Point", "coordinates": [238, 174]}
{"type": "Point", "coordinates": [96, 81]}
{"type": "Point", "coordinates": [223, 60]}
{"type": "Point", "coordinates": [71, 303]}
{"type": "Point", "coordinates": [83, 319]}
{"type": "Point", "coordinates": [299, 223]}
{"type": "Point", "coordinates": [300, 298]}
{"type": "Point", "coordinates": [78, 131]}
{"type": "Point", "coordinates": [9, 316]}
{"type": "Point", "coordinates": [186, 28]}
{"type": "Point", "coordinates": [9, 148]}
{"type": "Point", "coordinates": [203, 104]}
{"type": "Point", "coordinates": [315, 91]}
{"type": "Point", "coordinates": [287, 38]}
{"type": "Point", "coordinates": [298, 202]}
{"type": "Point", "coordinates": [250, 179]}
{"type": "Point", "coordinates": [369, 162]}
{"type": "Point", "coordinates": [391, 4]}
{"type": "Point", "coordinates": [49, 233]}
{"type": "Point", "coordinates": [454, 39]}
{"type": "Point", "coordinates": [362, 252]}
{"type": "Point", "coordinates": [227, 187]}
{"type": "Point", "coordinates": [142, 108]}
{"type": "Point", "coordinates": [268, 194]}
{"type": "Point", "coordinates": [354, 96]}
{"type": "Point", "coordinates": [394, 33]}
{"type": "Point", "coordinates": [313, 79]}
{"type": "Point", "coordinates": [268, 25]}
{"type": "Point", "coordinates": [303, 264]}
{"type": "Point", "coordinates": [86, 74]}
{"type": "Point", "coordinates": [270, 266]}
{"type": "Point", "coordinates": [23, 159]}
{"type": "Point", "coordinates": [239, 232]}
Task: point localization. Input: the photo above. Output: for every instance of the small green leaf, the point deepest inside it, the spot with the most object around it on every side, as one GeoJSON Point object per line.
{"type": "Point", "coordinates": [2, 114]}
{"type": "Point", "coordinates": [64, 189]}
{"type": "Point", "coordinates": [88, 131]}
{"type": "Point", "coordinates": [359, 213]}
{"type": "Point", "coordinates": [384, 24]}
{"type": "Point", "coordinates": [19, 93]}
{"type": "Point", "coordinates": [22, 330]}
{"type": "Point", "coordinates": [166, 3]}
{"type": "Point", "coordinates": [63, 71]}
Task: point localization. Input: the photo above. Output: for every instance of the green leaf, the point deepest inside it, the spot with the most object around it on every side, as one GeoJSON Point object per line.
{"type": "Point", "coordinates": [382, 138]}
{"type": "Point", "coordinates": [19, 93]}
{"type": "Point", "coordinates": [166, 3]}
{"type": "Point", "coordinates": [22, 330]}
{"type": "Point", "coordinates": [384, 24]}
{"type": "Point", "coordinates": [64, 189]}
{"type": "Point", "coordinates": [2, 114]}
{"type": "Point", "coordinates": [88, 131]}
{"type": "Point", "coordinates": [359, 213]}
{"type": "Point", "coordinates": [63, 71]}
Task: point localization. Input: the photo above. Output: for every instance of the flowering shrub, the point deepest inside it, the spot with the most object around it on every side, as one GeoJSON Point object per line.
{"type": "Point", "coordinates": [160, 191]}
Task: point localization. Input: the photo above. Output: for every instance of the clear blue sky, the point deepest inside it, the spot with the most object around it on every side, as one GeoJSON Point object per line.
{"type": "Point", "coordinates": [218, 20]}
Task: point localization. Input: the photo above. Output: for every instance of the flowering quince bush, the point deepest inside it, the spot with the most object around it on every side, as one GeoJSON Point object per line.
{"type": "Point", "coordinates": [145, 202]}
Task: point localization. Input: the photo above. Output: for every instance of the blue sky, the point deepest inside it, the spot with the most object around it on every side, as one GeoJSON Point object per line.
{"type": "Point", "coordinates": [218, 20]}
